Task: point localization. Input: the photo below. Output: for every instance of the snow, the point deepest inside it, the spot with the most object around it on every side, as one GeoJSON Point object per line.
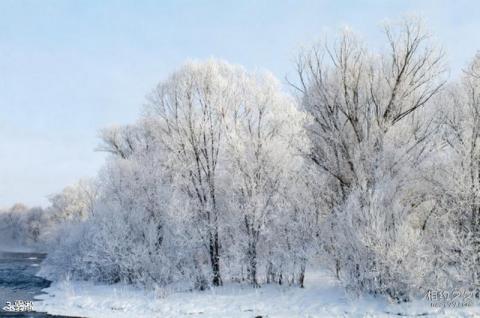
{"type": "Point", "coordinates": [322, 297]}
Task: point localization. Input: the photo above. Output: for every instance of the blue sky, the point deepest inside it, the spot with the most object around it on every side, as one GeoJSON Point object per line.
{"type": "Point", "coordinates": [69, 68]}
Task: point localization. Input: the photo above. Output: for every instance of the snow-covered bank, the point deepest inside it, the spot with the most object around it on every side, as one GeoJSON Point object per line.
{"type": "Point", "coordinates": [322, 297]}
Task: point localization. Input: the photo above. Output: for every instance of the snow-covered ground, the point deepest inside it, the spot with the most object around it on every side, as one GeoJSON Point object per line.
{"type": "Point", "coordinates": [322, 297]}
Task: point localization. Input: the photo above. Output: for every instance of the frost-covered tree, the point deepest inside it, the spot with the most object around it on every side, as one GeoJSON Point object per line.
{"type": "Point", "coordinates": [24, 226]}
{"type": "Point", "coordinates": [187, 109]}
{"type": "Point", "coordinates": [230, 138]}
{"type": "Point", "coordinates": [11, 220]}
{"type": "Point", "coordinates": [209, 175]}
{"type": "Point", "coordinates": [369, 131]}
{"type": "Point", "coordinates": [373, 171]}
{"type": "Point", "coordinates": [75, 202]}
{"type": "Point", "coordinates": [264, 136]}
{"type": "Point", "coordinates": [454, 223]}
{"type": "Point", "coordinates": [125, 237]}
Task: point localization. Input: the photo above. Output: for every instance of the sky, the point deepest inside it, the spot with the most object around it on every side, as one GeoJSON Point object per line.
{"type": "Point", "coordinates": [69, 68]}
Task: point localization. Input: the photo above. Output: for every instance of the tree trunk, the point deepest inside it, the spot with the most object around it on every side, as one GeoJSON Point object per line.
{"type": "Point", "coordinates": [270, 276]}
{"type": "Point", "coordinates": [337, 268]}
{"type": "Point", "coordinates": [215, 259]}
{"type": "Point", "coordinates": [301, 278]}
{"type": "Point", "coordinates": [252, 262]}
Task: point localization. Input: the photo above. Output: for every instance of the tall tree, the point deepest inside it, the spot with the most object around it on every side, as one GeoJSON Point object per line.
{"type": "Point", "coordinates": [188, 109]}
{"type": "Point", "coordinates": [368, 128]}
{"type": "Point", "coordinates": [455, 222]}
{"type": "Point", "coordinates": [264, 135]}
